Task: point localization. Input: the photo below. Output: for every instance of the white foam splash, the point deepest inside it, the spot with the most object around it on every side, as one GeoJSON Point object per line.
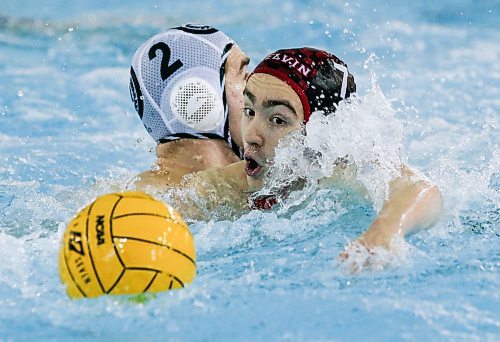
{"type": "Point", "coordinates": [364, 130]}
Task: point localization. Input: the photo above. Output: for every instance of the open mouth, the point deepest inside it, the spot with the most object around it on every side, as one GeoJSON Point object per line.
{"type": "Point", "coordinates": [252, 168]}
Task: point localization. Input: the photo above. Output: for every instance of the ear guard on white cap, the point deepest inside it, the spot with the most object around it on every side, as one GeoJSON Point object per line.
{"type": "Point", "coordinates": [194, 101]}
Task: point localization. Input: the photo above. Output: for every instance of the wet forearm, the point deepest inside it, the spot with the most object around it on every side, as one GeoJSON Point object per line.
{"type": "Point", "coordinates": [412, 204]}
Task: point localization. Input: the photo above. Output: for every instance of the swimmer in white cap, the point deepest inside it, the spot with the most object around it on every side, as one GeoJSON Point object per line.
{"type": "Point", "coordinates": [280, 95]}
{"type": "Point", "coordinates": [187, 87]}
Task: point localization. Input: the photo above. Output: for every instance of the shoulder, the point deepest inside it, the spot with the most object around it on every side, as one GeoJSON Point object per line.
{"type": "Point", "coordinates": [235, 174]}
{"type": "Point", "coordinates": [224, 186]}
{"type": "Point", "coordinates": [232, 175]}
{"type": "Point", "coordinates": [156, 179]}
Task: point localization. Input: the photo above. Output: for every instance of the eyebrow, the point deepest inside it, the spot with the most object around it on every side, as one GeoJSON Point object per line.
{"type": "Point", "coordinates": [270, 103]}
{"type": "Point", "coordinates": [273, 103]}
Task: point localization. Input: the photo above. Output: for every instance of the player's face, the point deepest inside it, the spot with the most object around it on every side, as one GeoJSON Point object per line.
{"type": "Point", "coordinates": [272, 110]}
{"type": "Point", "coordinates": [236, 76]}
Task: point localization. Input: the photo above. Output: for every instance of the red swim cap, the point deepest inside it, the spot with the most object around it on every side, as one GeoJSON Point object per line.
{"type": "Point", "coordinates": [320, 78]}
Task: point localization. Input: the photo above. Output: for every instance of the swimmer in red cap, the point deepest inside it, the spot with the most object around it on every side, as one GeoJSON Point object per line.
{"type": "Point", "coordinates": [282, 92]}
{"type": "Point", "coordinates": [280, 95]}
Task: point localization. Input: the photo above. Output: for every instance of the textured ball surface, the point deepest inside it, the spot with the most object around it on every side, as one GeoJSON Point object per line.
{"type": "Point", "coordinates": [126, 243]}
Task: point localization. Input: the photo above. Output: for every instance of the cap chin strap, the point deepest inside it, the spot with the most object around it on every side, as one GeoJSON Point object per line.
{"type": "Point", "coordinates": [234, 147]}
{"type": "Point", "coordinates": [177, 136]}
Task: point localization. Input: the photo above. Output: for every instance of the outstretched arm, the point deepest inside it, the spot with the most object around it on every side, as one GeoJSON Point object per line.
{"type": "Point", "coordinates": [413, 203]}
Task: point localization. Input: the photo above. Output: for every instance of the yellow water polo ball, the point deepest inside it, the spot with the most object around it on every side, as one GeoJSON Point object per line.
{"type": "Point", "coordinates": [126, 243]}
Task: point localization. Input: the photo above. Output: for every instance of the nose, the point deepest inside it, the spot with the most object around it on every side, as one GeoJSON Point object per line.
{"type": "Point", "coordinates": [253, 132]}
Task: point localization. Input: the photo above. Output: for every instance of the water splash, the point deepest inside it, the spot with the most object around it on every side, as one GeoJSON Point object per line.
{"type": "Point", "coordinates": [363, 131]}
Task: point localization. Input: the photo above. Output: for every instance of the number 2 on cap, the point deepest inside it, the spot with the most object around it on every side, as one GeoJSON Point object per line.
{"type": "Point", "coordinates": [165, 70]}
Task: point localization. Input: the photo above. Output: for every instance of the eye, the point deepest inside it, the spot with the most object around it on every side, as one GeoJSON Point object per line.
{"type": "Point", "coordinates": [278, 121]}
{"type": "Point", "coordinates": [248, 111]}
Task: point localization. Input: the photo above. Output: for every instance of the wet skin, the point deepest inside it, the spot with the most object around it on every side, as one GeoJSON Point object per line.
{"type": "Point", "coordinates": [236, 77]}
{"type": "Point", "coordinates": [272, 110]}
{"type": "Point", "coordinates": [184, 156]}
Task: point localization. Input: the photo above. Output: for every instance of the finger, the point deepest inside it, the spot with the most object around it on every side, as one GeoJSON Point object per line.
{"type": "Point", "coordinates": [344, 255]}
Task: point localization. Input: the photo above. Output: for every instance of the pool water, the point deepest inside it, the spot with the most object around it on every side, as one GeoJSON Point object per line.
{"type": "Point", "coordinates": [427, 73]}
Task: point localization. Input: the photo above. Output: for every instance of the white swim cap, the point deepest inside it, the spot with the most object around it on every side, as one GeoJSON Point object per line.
{"type": "Point", "coordinates": [177, 83]}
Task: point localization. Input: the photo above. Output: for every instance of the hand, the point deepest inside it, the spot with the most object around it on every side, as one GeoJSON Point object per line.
{"type": "Point", "coordinates": [355, 257]}
{"type": "Point", "coordinates": [363, 254]}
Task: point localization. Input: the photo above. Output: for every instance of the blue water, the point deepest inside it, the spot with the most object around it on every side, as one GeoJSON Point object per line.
{"type": "Point", "coordinates": [68, 133]}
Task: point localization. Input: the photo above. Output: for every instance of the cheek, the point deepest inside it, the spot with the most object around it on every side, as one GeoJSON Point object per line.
{"type": "Point", "coordinates": [234, 94]}
{"type": "Point", "coordinates": [275, 136]}
{"type": "Point", "coordinates": [298, 126]}
{"type": "Point", "coordinates": [273, 142]}
{"type": "Point", "coordinates": [243, 126]}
